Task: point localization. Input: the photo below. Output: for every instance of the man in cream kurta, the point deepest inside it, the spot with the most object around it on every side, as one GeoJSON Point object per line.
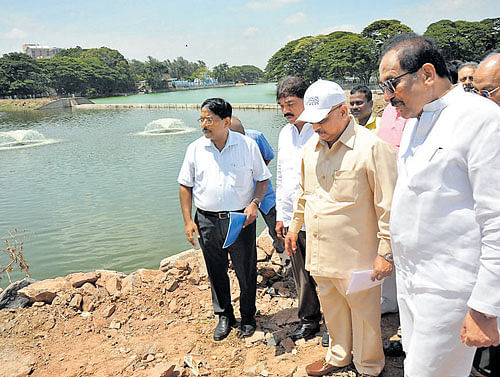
{"type": "Point", "coordinates": [348, 177]}
{"type": "Point", "coordinates": [445, 221]}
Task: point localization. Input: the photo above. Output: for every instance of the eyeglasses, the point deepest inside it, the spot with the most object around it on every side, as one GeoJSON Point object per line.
{"type": "Point", "coordinates": [207, 121]}
{"type": "Point", "coordinates": [390, 85]}
{"type": "Point", "coordinates": [485, 93]}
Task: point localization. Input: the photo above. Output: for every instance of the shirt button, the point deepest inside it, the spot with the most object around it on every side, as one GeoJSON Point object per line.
{"type": "Point", "coordinates": [315, 216]}
{"type": "Point", "coordinates": [323, 177]}
{"type": "Point", "coordinates": [315, 234]}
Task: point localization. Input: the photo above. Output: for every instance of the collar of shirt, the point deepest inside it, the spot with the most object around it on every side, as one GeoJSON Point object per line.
{"type": "Point", "coordinates": [372, 122]}
{"type": "Point", "coordinates": [347, 137]}
{"type": "Point", "coordinates": [306, 129]}
{"type": "Point", "coordinates": [231, 140]}
{"type": "Point", "coordinates": [442, 102]}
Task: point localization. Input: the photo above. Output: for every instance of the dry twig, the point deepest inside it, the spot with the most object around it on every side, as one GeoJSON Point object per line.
{"type": "Point", "coordinates": [14, 247]}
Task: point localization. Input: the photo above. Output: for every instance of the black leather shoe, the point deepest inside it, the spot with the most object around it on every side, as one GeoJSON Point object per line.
{"type": "Point", "coordinates": [325, 338]}
{"type": "Point", "coordinates": [223, 327]}
{"type": "Point", "coordinates": [246, 331]}
{"type": "Point", "coordinates": [304, 332]}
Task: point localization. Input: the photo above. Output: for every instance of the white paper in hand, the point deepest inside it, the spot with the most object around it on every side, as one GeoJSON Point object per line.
{"type": "Point", "coordinates": [361, 280]}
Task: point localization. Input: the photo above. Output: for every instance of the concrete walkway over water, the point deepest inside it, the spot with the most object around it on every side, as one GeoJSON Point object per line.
{"type": "Point", "coordinates": [108, 106]}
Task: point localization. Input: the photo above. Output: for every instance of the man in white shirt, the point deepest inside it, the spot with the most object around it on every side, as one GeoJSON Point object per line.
{"type": "Point", "coordinates": [445, 219]}
{"type": "Point", "coordinates": [290, 96]}
{"type": "Point", "coordinates": [218, 173]}
{"type": "Point", "coordinates": [488, 86]}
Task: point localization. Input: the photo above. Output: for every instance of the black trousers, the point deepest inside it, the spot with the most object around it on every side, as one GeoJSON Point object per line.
{"type": "Point", "coordinates": [270, 220]}
{"type": "Point", "coordinates": [243, 253]}
{"type": "Point", "coordinates": [309, 306]}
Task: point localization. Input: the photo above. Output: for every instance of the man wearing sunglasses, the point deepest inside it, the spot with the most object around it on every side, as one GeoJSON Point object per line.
{"type": "Point", "coordinates": [487, 78]}
{"type": "Point", "coordinates": [445, 218]}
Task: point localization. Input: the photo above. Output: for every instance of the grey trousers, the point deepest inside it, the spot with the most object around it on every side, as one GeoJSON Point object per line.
{"type": "Point", "coordinates": [309, 306]}
{"type": "Point", "coordinates": [243, 254]}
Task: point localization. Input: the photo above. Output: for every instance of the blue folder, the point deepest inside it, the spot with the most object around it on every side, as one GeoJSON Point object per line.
{"type": "Point", "coordinates": [236, 221]}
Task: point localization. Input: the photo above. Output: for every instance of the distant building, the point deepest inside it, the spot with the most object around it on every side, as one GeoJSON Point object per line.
{"type": "Point", "coordinates": [40, 52]}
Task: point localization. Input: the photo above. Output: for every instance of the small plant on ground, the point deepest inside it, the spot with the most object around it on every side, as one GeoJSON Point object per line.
{"type": "Point", "coordinates": [13, 247]}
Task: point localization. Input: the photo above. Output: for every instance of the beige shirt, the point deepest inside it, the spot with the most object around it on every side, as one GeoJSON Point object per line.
{"type": "Point", "coordinates": [345, 200]}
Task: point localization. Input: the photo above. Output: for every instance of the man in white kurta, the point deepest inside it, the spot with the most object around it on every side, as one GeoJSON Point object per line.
{"type": "Point", "coordinates": [445, 218]}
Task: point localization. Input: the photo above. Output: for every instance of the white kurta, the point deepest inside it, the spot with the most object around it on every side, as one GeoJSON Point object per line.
{"type": "Point", "coordinates": [445, 229]}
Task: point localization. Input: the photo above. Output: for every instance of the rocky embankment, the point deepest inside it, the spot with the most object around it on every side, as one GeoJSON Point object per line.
{"type": "Point", "coordinates": [23, 104]}
{"type": "Point", "coordinates": [155, 323]}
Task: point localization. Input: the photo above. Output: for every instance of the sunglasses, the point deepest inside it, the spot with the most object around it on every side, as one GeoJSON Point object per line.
{"type": "Point", "coordinates": [390, 85]}
{"type": "Point", "coordinates": [485, 93]}
{"type": "Point", "coordinates": [323, 121]}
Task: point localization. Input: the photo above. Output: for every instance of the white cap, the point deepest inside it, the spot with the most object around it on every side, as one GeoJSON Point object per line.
{"type": "Point", "coordinates": [319, 99]}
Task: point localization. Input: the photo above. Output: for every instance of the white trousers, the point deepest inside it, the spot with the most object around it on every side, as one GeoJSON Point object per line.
{"type": "Point", "coordinates": [430, 326]}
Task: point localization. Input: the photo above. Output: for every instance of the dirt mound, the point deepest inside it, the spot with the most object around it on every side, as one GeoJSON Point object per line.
{"type": "Point", "coordinates": [104, 323]}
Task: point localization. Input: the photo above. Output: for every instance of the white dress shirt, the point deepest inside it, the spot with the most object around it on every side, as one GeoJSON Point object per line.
{"type": "Point", "coordinates": [445, 218]}
{"type": "Point", "coordinates": [223, 180]}
{"type": "Point", "coordinates": [290, 150]}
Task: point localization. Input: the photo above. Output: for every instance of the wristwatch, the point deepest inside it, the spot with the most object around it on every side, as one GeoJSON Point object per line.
{"type": "Point", "coordinates": [256, 202]}
{"type": "Point", "coordinates": [388, 257]}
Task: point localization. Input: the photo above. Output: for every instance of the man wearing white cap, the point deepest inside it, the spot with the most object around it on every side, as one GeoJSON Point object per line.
{"type": "Point", "coordinates": [348, 178]}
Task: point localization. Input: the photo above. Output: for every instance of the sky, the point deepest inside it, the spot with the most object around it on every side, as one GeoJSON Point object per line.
{"type": "Point", "coordinates": [215, 31]}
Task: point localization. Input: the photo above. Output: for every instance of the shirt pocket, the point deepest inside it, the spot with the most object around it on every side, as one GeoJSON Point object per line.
{"type": "Point", "coordinates": [428, 173]}
{"type": "Point", "coordinates": [345, 187]}
{"type": "Point", "coordinates": [240, 176]}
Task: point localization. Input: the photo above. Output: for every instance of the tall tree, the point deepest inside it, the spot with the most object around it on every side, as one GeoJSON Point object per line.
{"type": "Point", "coordinates": [21, 75]}
{"type": "Point", "coordinates": [493, 25]}
{"type": "Point", "coordinates": [463, 40]}
{"type": "Point", "coordinates": [220, 72]}
{"type": "Point", "coordinates": [346, 54]}
{"type": "Point", "coordinates": [382, 30]}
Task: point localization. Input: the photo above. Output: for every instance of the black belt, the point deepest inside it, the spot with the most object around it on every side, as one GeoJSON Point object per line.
{"type": "Point", "coordinates": [221, 215]}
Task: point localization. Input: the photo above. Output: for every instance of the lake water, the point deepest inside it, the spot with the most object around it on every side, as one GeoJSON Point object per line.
{"type": "Point", "coordinates": [97, 189]}
{"type": "Point", "coordinates": [262, 93]}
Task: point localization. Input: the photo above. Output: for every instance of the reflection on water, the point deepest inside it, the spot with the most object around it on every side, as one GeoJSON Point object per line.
{"type": "Point", "coordinates": [165, 126]}
{"type": "Point", "coordinates": [103, 198]}
{"type": "Point", "coordinates": [22, 139]}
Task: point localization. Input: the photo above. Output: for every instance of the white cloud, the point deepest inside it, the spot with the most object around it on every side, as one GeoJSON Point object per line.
{"type": "Point", "coordinates": [15, 33]}
{"type": "Point", "coordinates": [345, 27]}
{"type": "Point", "coordinates": [296, 18]}
{"type": "Point", "coordinates": [250, 31]}
{"type": "Point", "coordinates": [270, 4]}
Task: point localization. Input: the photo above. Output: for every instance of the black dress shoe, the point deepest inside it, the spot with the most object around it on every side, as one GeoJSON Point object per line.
{"type": "Point", "coordinates": [223, 327]}
{"type": "Point", "coordinates": [246, 331]}
{"type": "Point", "coordinates": [325, 338]}
{"type": "Point", "coordinates": [394, 348]}
{"type": "Point", "coordinates": [304, 332]}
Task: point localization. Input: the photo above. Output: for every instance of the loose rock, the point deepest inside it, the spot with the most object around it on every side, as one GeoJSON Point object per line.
{"type": "Point", "coordinates": [45, 290]}
{"type": "Point", "coordinates": [80, 278]}
{"type": "Point", "coordinates": [9, 298]}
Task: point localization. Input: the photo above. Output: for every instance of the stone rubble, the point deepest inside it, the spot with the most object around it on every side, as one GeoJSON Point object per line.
{"type": "Point", "coordinates": [127, 311]}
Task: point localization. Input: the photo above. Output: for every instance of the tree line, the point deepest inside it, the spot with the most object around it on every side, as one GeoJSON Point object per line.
{"type": "Point", "coordinates": [341, 54]}
{"type": "Point", "coordinates": [103, 71]}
